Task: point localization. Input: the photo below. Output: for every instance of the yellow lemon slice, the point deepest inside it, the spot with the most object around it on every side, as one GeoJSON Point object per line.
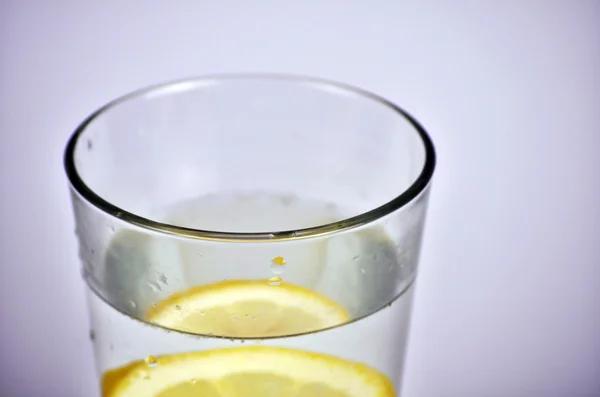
{"type": "Point", "coordinates": [247, 309]}
{"type": "Point", "coordinates": [251, 371]}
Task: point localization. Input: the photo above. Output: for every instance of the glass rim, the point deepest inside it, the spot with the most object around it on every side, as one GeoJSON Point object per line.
{"type": "Point", "coordinates": [172, 87]}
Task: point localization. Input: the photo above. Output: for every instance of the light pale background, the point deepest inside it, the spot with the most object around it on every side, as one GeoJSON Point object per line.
{"type": "Point", "coordinates": [508, 301]}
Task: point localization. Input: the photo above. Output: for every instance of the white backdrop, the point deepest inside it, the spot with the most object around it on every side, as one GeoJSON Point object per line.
{"type": "Point", "coordinates": [508, 302]}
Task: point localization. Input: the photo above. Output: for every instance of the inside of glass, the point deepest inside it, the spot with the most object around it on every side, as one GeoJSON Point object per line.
{"type": "Point", "coordinates": [274, 147]}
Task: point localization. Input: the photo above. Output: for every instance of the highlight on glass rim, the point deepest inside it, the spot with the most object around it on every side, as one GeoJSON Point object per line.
{"type": "Point", "coordinates": [249, 235]}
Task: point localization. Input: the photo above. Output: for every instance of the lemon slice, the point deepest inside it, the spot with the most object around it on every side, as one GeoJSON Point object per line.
{"type": "Point", "coordinates": [247, 309]}
{"type": "Point", "coordinates": [247, 372]}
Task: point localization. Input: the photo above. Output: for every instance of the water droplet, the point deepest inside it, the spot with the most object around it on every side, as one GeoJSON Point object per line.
{"type": "Point", "coordinates": [151, 361]}
{"type": "Point", "coordinates": [278, 265]}
{"type": "Point", "coordinates": [133, 304]}
{"type": "Point", "coordinates": [163, 278]}
{"type": "Point", "coordinates": [92, 335]}
{"type": "Point", "coordinates": [362, 271]}
{"type": "Point", "coordinates": [278, 270]}
{"type": "Point", "coordinates": [155, 287]}
{"type": "Point", "coordinates": [194, 381]}
{"type": "Point", "coordinates": [275, 280]}
{"type": "Point", "coordinates": [278, 260]}
{"type": "Point", "coordinates": [356, 257]}
{"type": "Point", "coordinates": [177, 307]}
{"type": "Point", "coordinates": [270, 235]}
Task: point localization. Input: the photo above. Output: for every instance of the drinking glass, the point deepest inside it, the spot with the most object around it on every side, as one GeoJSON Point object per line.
{"type": "Point", "coordinates": [283, 181]}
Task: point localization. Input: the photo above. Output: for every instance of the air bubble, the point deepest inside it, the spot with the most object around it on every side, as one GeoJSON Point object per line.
{"type": "Point", "coordinates": [155, 287]}
{"type": "Point", "coordinates": [275, 280]}
{"type": "Point", "coordinates": [163, 279]}
{"type": "Point", "coordinates": [363, 271]}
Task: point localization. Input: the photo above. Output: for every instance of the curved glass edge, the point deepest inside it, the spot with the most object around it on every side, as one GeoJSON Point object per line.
{"type": "Point", "coordinates": [406, 197]}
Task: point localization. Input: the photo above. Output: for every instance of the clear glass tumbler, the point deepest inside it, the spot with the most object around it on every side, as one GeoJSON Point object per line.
{"type": "Point", "coordinates": [249, 235]}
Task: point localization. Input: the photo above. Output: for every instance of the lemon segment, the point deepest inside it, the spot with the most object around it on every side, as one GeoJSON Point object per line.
{"type": "Point", "coordinates": [248, 372]}
{"type": "Point", "coordinates": [247, 309]}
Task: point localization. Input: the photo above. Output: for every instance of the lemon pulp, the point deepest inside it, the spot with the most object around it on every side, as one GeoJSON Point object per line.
{"type": "Point", "coordinates": [247, 309]}
{"type": "Point", "coordinates": [252, 371]}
